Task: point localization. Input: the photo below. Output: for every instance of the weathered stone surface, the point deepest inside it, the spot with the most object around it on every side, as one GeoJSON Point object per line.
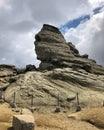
{"type": "Point", "coordinates": [26, 111]}
{"type": "Point", "coordinates": [73, 49]}
{"type": "Point", "coordinates": [7, 72]}
{"type": "Point", "coordinates": [49, 34]}
{"type": "Point", "coordinates": [45, 86]}
{"type": "Point", "coordinates": [65, 73]}
{"type": "Point", "coordinates": [46, 66]}
{"type": "Point", "coordinates": [30, 67]}
{"type": "Point", "coordinates": [55, 52]}
{"type": "Point", "coordinates": [23, 122]}
{"type": "Point", "coordinates": [4, 86]}
{"type": "Point", "coordinates": [85, 56]}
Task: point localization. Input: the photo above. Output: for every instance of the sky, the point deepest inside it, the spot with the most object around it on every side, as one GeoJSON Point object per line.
{"type": "Point", "coordinates": [80, 21]}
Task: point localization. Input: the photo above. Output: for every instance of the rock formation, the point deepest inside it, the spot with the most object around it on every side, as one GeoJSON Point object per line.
{"type": "Point", "coordinates": [6, 74]}
{"type": "Point", "coordinates": [54, 52]}
{"type": "Point", "coordinates": [30, 68]}
{"type": "Point", "coordinates": [67, 72]}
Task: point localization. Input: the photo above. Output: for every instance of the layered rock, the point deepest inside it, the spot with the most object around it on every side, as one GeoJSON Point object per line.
{"type": "Point", "coordinates": [30, 68]}
{"type": "Point", "coordinates": [54, 52]}
{"type": "Point", "coordinates": [45, 87]}
{"type": "Point", "coordinates": [69, 73]}
{"type": "Point", "coordinates": [7, 72]}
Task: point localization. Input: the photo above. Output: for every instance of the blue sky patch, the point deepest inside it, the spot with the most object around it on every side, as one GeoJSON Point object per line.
{"type": "Point", "coordinates": [75, 22]}
{"type": "Point", "coordinates": [97, 10]}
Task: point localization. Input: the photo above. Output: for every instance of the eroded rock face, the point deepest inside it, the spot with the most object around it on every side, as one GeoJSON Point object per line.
{"type": "Point", "coordinates": [45, 87]}
{"type": "Point", "coordinates": [69, 73]}
{"type": "Point", "coordinates": [49, 34]}
{"type": "Point", "coordinates": [30, 68]}
{"type": "Point", "coordinates": [55, 52]}
{"type": "Point", "coordinates": [52, 49]}
{"type": "Point", "coordinates": [6, 74]}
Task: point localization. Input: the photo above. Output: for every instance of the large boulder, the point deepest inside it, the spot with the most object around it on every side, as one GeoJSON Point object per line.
{"type": "Point", "coordinates": [23, 122]}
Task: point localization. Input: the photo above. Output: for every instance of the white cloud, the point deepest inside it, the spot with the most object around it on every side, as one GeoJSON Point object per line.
{"type": "Point", "coordinates": [96, 3]}
{"type": "Point", "coordinates": [2, 3]}
{"type": "Point", "coordinates": [18, 49]}
{"type": "Point", "coordinates": [5, 4]}
{"type": "Point", "coordinates": [89, 37]}
{"type": "Point", "coordinates": [20, 20]}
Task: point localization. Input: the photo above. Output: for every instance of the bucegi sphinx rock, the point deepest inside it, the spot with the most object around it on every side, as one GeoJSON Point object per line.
{"type": "Point", "coordinates": [54, 52]}
{"type": "Point", "coordinates": [69, 73]}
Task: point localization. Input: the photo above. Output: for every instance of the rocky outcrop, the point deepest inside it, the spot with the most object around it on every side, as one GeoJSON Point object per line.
{"type": "Point", "coordinates": [45, 87]}
{"type": "Point", "coordinates": [9, 74]}
{"type": "Point", "coordinates": [55, 52]}
{"type": "Point", "coordinates": [30, 68]}
{"type": "Point", "coordinates": [6, 73]}
{"type": "Point", "coordinates": [49, 34]}
{"type": "Point", "coordinates": [7, 70]}
{"type": "Point", "coordinates": [65, 73]}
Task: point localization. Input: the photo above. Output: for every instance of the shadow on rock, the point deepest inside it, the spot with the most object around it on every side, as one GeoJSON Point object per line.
{"type": "Point", "coordinates": [10, 128]}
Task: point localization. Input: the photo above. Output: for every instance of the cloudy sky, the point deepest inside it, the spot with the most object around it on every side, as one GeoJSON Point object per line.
{"type": "Point", "coordinates": [80, 21]}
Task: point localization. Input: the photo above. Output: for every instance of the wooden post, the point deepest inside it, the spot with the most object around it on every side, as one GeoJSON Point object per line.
{"type": "Point", "coordinates": [32, 101]}
{"type": "Point", "coordinates": [77, 99]}
{"type": "Point", "coordinates": [58, 109]}
{"type": "Point", "coordinates": [78, 104]}
{"type": "Point", "coordinates": [14, 101]}
{"type": "Point", "coordinates": [1, 96]}
{"type": "Point", "coordinates": [32, 108]}
{"type": "Point", "coordinates": [103, 104]}
{"type": "Point", "coordinates": [58, 100]}
{"type": "Point", "coordinates": [14, 97]}
{"type": "Point", "coordinates": [21, 111]}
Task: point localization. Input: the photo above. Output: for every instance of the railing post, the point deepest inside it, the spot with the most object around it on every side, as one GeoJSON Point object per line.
{"type": "Point", "coordinates": [78, 104]}
{"type": "Point", "coordinates": [14, 97]}
{"type": "Point", "coordinates": [32, 108]}
{"type": "Point", "coordinates": [58, 108]}
{"type": "Point", "coordinates": [32, 101]}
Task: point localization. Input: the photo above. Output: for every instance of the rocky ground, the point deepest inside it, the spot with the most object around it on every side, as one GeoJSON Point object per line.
{"type": "Point", "coordinates": [46, 119]}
